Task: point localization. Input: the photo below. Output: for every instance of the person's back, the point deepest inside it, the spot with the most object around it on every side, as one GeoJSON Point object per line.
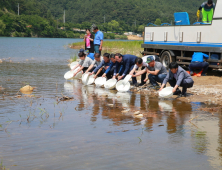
{"type": "Point", "coordinates": [198, 62]}
{"type": "Point", "coordinates": [91, 55]}
{"type": "Point", "coordinates": [129, 58]}
{"type": "Point", "coordinates": [158, 66]}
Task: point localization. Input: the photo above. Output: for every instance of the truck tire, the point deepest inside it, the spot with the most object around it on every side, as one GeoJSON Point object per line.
{"type": "Point", "coordinates": [166, 59]}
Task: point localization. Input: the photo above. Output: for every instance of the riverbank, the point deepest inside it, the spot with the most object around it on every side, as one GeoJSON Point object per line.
{"type": "Point", "coordinates": [206, 89]}
{"type": "Point", "coordinates": [134, 37]}
{"type": "Point", "coordinates": [124, 47]}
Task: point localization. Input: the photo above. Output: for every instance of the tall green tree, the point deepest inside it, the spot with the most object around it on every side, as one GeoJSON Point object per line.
{"type": "Point", "coordinates": [157, 22]}
{"type": "Point", "coordinates": [2, 27]}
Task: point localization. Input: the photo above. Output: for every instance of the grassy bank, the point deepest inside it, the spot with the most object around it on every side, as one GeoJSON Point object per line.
{"type": "Point", "coordinates": [123, 47]}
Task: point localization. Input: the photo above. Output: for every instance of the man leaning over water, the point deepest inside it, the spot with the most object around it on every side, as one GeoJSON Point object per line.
{"type": "Point", "coordinates": [177, 76]}
{"type": "Point", "coordinates": [140, 62]}
{"type": "Point", "coordinates": [84, 63]}
{"type": "Point", "coordinates": [128, 62]}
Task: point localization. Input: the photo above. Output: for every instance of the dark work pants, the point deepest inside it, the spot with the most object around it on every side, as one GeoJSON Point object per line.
{"type": "Point", "coordinates": [110, 73]}
{"type": "Point", "coordinates": [143, 76]}
{"type": "Point", "coordinates": [199, 65]}
{"type": "Point", "coordinates": [96, 49]}
{"type": "Point", "coordinates": [186, 83]}
{"type": "Point", "coordinates": [156, 78]}
{"type": "Point", "coordinates": [85, 68]}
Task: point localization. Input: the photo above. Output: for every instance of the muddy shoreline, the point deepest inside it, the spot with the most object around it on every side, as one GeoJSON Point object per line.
{"type": "Point", "coordinates": [206, 89]}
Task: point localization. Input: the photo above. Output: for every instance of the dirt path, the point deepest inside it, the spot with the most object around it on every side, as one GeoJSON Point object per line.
{"type": "Point", "coordinates": [134, 37]}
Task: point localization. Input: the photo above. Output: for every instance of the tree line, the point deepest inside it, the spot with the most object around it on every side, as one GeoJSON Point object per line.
{"type": "Point", "coordinates": [42, 17]}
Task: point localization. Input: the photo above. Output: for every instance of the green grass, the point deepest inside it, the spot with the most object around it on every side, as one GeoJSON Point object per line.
{"type": "Point", "coordinates": [73, 58]}
{"type": "Point", "coordinates": [123, 47]}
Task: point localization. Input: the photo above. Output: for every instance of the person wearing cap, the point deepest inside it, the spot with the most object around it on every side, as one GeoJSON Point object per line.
{"type": "Point", "coordinates": [103, 66]}
{"type": "Point", "coordinates": [96, 62]}
{"type": "Point", "coordinates": [157, 72]}
{"type": "Point", "coordinates": [140, 62]}
{"type": "Point", "coordinates": [178, 77]}
{"type": "Point", "coordinates": [197, 62]}
{"type": "Point", "coordinates": [128, 62]}
{"type": "Point", "coordinates": [98, 40]}
{"type": "Point", "coordinates": [207, 11]}
{"type": "Point", "coordinates": [84, 63]}
{"type": "Point", "coordinates": [110, 71]}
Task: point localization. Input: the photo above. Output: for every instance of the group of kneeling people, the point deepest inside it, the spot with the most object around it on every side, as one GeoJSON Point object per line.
{"type": "Point", "coordinates": [117, 66]}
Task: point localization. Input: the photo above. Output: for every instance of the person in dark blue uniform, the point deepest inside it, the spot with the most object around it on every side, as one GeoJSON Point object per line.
{"type": "Point", "coordinates": [128, 62]}
{"type": "Point", "coordinates": [110, 71]}
{"type": "Point", "coordinates": [197, 62]}
{"type": "Point", "coordinates": [105, 63]}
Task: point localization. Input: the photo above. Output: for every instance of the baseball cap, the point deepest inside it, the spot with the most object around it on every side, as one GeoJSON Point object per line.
{"type": "Point", "coordinates": [149, 59]}
{"type": "Point", "coordinates": [84, 51]}
{"type": "Point", "coordinates": [210, 2]}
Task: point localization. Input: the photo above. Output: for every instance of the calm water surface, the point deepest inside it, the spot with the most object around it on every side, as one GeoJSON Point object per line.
{"type": "Point", "coordinates": [91, 131]}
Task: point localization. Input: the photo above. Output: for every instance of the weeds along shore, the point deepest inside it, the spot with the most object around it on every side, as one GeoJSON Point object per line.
{"type": "Point", "coordinates": [123, 47]}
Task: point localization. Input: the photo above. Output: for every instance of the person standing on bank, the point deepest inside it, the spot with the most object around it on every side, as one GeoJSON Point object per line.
{"type": "Point", "coordinates": [177, 76]}
{"type": "Point", "coordinates": [197, 62]}
{"type": "Point", "coordinates": [88, 39]}
{"type": "Point", "coordinates": [207, 11]}
{"type": "Point", "coordinates": [98, 40]}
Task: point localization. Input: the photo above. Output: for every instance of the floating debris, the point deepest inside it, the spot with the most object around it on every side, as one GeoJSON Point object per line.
{"type": "Point", "coordinates": [66, 98]}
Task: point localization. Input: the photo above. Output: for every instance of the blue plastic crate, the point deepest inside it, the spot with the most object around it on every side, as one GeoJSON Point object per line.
{"type": "Point", "coordinates": [181, 18]}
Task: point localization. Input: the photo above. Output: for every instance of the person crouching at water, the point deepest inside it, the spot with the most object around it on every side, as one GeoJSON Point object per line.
{"type": "Point", "coordinates": [157, 72]}
{"type": "Point", "coordinates": [177, 76]}
{"type": "Point", "coordinates": [140, 62]}
{"type": "Point", "coordinates": [198, 62]}
{"type": "Point", "coordinates": [103, 66]}
{"type": "Point", "coordinates": [96, 62]}
{"type": "Point", "coordinates": [84, 62]}
{"type": "Point", "coordinates": [128, 62]}
{"type": "Point", "coordinates": [110, 71]}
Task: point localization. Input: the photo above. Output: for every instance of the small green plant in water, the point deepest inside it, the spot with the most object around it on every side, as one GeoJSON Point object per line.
{"type": "Point", "coordinates": [139, 139]}
{"type": "Point", "coordinates": [1, 166]}
{"type": "Point", "coordinates": [73, 58]}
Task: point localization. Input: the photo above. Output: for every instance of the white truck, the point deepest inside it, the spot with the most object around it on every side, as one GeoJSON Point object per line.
{"type": "Point", "coordinates": [178, 42]}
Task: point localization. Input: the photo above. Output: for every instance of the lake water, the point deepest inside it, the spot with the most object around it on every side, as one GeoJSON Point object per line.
{"type": "Point", "coordinates": [91, 131]}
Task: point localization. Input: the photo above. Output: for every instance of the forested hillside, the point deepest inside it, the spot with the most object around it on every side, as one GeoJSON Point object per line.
{"type": "Point", "coordinates": [109, 15]}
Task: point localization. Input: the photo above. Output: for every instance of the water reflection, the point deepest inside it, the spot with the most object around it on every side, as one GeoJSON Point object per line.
{"type": "Point", "coordinates": [112, 104]}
